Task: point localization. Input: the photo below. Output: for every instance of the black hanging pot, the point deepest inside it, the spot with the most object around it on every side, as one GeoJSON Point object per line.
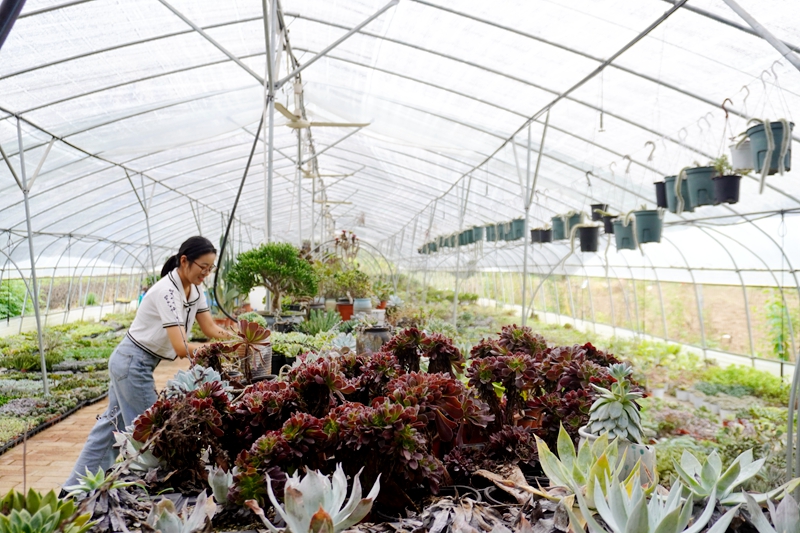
{"type": "Point", "coordinates": [661, 194]}
{"type": "Point", "coordinates": [598, 207]}
{"type": "Point", "coordinates": [536, 235]}
{"type": "Point", "coordinates": [546, 235]}
{"type": "Point", "coordinates": [589, 236]}
{"type": "Point", "coordinates": [608, 223]}
{"type": "Point", "coordinates": [726, 189]}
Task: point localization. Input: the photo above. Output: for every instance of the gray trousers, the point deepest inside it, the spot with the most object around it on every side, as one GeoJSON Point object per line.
{"type": "Point", "coordinates": [131, 391]}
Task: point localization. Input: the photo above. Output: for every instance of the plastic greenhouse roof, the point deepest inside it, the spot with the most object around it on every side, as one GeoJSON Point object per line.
{"type": "Point", "coordinates": [134, 96]}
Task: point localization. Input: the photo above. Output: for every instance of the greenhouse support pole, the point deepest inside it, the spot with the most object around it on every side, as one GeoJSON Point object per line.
{"type": "Point", "coordinates": [462, 210]}
{"type": "Point", "coordinates": [529, 190]}
{"type": "Point", "coordinates": [269, 109]}
{"type": "Point", "coordinates": [34, 283]}
{"type": "Point", "coordinates": [764, 33]}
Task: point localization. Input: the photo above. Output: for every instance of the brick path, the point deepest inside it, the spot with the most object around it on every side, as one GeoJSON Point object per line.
{"type": "Point", "coordinates": [52, 453]}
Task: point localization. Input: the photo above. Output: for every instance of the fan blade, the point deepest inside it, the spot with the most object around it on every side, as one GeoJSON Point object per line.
{"type": "Point", "coordinates": [285, 112]}
{"type": "Point", "coordinates": [338, 125]}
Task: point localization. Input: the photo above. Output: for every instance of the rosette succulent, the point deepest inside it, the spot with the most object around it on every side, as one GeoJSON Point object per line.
{"type": "Point", "coordinates": [316, 503]}
{"type": "Point", "coordinates": [616, 410]}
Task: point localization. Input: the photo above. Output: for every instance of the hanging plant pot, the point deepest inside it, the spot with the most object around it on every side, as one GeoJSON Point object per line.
{"type": "Point", "coordinates": [501, 231]}
{"type": "Point", "coordinates": [558, 228]}
{"type": "Point", "coordinates": [623, 235]}
{"type": "Point", "coordinates": [536, 235]}
{"type": "Point", "coordinates": [518, 228]}
{"type": "Point", "coordinates": [672, 200]}
{"type": "Point", "coordinates": [661, 194]}
{"type": "Point", "coordinates": [726, 189]}
{"type": "Point", "coordinates": [546, 235]}
{"type": "Point", "coordinates": [742, 156]}
{"type": "Point", "coordinates": [758, 146]}
{"type": "Point", "coordinates": [452, 243]}
{"type": "Point", "coordinates": [701, 186]}
{"type": "Point", "coordinates": [608, 223]}
{"type": "Point", "coordinates": [648, 226]}
{"type": "Point", "coordinates": [598, 207]}
{"type": "Point", "coordinates": [491, 233]}
{"type": "Point", "coordinates": [589, 236]}
{"type": "Point", "coordinates": [572, 221]}
{"type": "Point", "coordinates": [477, 233]}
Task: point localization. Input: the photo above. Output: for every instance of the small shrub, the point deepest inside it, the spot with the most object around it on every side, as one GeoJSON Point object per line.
{"type": "Point", "coordinates": [31, 362]}
{"type": "Point", "coordinates": [91, 299]}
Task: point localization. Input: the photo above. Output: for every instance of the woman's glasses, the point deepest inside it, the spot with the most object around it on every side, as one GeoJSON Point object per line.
{"type": "Point", "coordinates": [206, 269]}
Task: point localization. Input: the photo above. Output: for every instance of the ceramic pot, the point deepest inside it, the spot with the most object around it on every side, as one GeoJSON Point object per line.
{"type": "Point", "coordinates": [371, 339]}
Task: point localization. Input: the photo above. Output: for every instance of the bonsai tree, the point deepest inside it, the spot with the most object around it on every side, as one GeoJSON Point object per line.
{"type": "Point", "coordinates": [277, 266]}
{"type": "Point", "coordinates": [353, 283]}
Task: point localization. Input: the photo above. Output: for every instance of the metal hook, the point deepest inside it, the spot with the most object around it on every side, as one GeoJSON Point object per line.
{"type": "Point", "coordinates": [685, 134]}
{"type": "Point", "coordinates": [699, 126]}
{"type": "Point", "coordinates": [772, 69]}
{"type": "Point", "coordinates": [630, 162]}
{"type": "Point", "coordinates": [652, 150]}
{"type": "Point", "coordinates": [723, 106]}
{"type": "Point", "coordinates": [706, 119]}
{"type": "Point", "coordinates": [589, 173]}
{"type": "Point", "coordinates": [610, 167]}
{"type": "Point", "coordinates": [746, 88]}
{"type": "Point", "coordinates": [761, 77]}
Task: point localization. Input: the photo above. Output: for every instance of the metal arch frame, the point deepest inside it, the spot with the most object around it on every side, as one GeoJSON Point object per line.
{"type": "Point", "coordinates": [112, 163]}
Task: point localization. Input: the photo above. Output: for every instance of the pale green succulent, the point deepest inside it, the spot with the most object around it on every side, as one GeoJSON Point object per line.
{"type": "Point", "coordinates": [91, 482]}
{"type": "Point", "coordinates": [344, 340]}
{"type": "Point", "coordinates": [220, 481]}
{"type": "Point", "coordinates": [578, 471]}
{"type": "Point", "coordinates": [190, 380]}
{"type": "Point", "coordinates": [34, 513]}
{"type": "Point", "coordinates": [625, 509]}
{"type": "Point", "coordinates": [615, 411]}
{"type": "Point", "coordinates": [164, 518]}
{"type": "Point", "coordinates": [130, 450]}
{"type": "Point", "coordinates": [708, 478]}
{"type": "Point", "coordinates": [314, 503]}
{"type": "Point", "coordinates": [786, 518]}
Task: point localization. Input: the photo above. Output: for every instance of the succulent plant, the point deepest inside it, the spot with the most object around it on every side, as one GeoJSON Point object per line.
{"type": "Point", "coordinates": [190, 380]}
{"type": "Point", "coordinates": [90, 482]}
{"type": "Point", "coordinates": [625, 509]}
{"type": "Point", "coordinates": [394, 301]}
{"type": "Point", "coordinates": [515, 373]}
{"type": "Point", "coordinates": [344, 341]}
{"type": "Point", "coordinates": [443, 356]}
{"type": "Point", "coordinates": [131, 452]}
{"type": "Point", "coordinates": [578, 471]}
{"type": "Point", "coordinates": [785, 518]}
{"type": "Point", "coordinates": [34, 513]}
{"type": "Point", "coordinates": [320, 385]}
{"type": "Point", "coordinates": [570, 409]}
{"type": "Point", "coordinates": [212, 355]}
{"type": "Point", "coordinates": [221, 482]}
{"type": "Point", "coordinates": [703, 480]}
{"type": "Point", "coordinates": [615, 411]}
{"type": "Point", "coordinates": [406, 346]}
{"type": "Point", "coordinates": [315, 503]}
{"type": "Point", "coordinates": [252, 337]}
{"type": "Point", "coordinates": [164, 518]}
{"type": "Point", "coordinates": [520, 339]}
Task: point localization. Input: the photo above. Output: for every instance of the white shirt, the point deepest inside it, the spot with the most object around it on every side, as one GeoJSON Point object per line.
{"type": "Point", "coordinates": [165, 305]}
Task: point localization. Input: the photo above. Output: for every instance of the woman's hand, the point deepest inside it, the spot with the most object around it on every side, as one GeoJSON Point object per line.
{"type": "Point", "coordinates": [212, 330]}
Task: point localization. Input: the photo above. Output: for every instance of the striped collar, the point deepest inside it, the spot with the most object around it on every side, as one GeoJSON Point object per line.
{"type": "Point", "coordinates": [194, 291]}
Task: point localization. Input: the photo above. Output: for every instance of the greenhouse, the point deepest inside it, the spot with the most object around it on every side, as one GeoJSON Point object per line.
{"type": "Point", "coordinates": [406, 265]}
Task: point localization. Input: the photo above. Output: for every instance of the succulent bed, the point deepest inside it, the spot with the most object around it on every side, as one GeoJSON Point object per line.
{"type": "Point", "coordinates": [76, 356]}
{"type": "Point", "coordinates": [424, 414]}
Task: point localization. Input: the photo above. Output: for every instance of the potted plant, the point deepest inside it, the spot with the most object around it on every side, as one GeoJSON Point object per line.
{"type": "Point", "coordinates": [559, 228]}
{"type": "Point", "coordinates": [227, 291]}
{"type": "Point", "coordinates": [352, 284]}
{"type": "Point", "coordinates": [780, 133]}
{"type": "Point", "coordinates": [648, 225]}
{"type": "Point", "coordinates": [624, 235]}
{"type": "Point", "coordinates": [588, 237]}
{"type": "Point", "coordinates": [598, 210]}
{"type": "Point", "coordinates": [676, 195]}
{"type": "Point", "coordinates": [661, 194]}
{"type": "Point", "coordinates": [277, 266]}
{"type": "Point", "coordinates": [616, 412]}
{"type": "Point", "coordinates": [700, 184]}
{"type": "Point", "coordinates": [726, 182]}
{"type": "Point", "coordinates": [382, 291]}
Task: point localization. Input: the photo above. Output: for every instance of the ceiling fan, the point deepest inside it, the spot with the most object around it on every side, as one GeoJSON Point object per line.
{"type": "Point", "coordinates": [297, 122]}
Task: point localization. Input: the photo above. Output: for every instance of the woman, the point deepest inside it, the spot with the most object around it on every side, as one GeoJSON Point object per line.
{"type": "Point", "coordinates": [158, 332]}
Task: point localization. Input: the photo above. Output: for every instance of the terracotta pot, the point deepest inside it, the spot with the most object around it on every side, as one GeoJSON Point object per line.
{"type": "Point", "coordinates": [224, 322]}
{"type": "Point", "coordinates": [383, 304]}
{"type": "Point", "coordinates": [345, 310]}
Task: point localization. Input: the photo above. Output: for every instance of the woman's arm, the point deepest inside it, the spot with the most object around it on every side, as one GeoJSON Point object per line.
{"type": "Point", "coordinates": [177, 337]}
{"type": "Point", "coordinates": [208, 327]}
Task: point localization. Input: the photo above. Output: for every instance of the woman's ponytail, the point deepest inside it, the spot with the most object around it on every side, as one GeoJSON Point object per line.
{"type": "Point", "coordinates": [192, 248]}
{"type": "Point", "coordinates": [170, 265]}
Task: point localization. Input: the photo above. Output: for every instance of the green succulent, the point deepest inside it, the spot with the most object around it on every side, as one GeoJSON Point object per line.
{"type": "Point", "coordinates": [164, 518]}
{"type": "Point", "coordinates": [320, 321]}
{"type": "Point", "coordinates": [578, 471]}
{"type": "Point", "coordinates": [616, 411]}
{"type": "Point", "coordinates": [626, 509]}
{"type": "Point", "coordinates": [703, 480]}
{"type": "Point", "coordinates": [786, 517]}
{"type": "Point", "coordinates": [34, 513]}
{"type": "Point", "coordinates": [91, 482]}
